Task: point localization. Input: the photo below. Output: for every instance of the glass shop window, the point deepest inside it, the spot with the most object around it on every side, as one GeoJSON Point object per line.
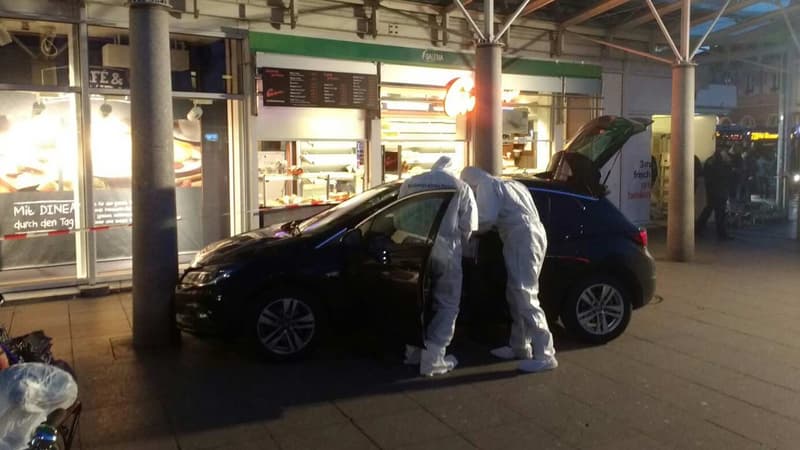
{"type": "Point", "coordinates": [34, 53]}
{"type": "Point", "coordinates": [199, 64]}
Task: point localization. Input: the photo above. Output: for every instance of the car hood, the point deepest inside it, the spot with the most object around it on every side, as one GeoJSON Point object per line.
{"type": "Point", "coordinates": [236, 247]}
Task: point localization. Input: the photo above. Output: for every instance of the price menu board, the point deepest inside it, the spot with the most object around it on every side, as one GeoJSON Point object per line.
{"type": "Point", "coordinates": [289, 87]}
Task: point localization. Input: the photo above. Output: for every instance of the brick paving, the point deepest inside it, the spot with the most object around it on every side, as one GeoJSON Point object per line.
{"type": "Point", "coordinates": [712, 363]}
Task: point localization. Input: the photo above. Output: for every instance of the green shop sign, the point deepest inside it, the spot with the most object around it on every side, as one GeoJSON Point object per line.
{"type": "Point", "coordinates": [357, 51]}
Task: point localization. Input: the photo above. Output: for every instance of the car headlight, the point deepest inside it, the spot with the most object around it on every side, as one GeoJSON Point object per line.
{"type": "Point", "coordinates": [202, 278]}
{"type": "Point", "coordinates": [796, 178]}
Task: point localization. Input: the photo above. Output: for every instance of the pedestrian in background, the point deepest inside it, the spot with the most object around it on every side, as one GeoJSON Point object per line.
{"type": "Point", "coordinates": [717, 172]}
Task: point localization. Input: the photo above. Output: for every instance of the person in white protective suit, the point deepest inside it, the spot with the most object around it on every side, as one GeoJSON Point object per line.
{"type": "Point", "coordinates": [459, 221]}
{"type": "Point", "coordinates": [508, 206]}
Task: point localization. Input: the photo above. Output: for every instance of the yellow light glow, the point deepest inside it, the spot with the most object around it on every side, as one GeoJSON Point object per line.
{"type": "Point", "coordinates": [761, 136]}
{"type": "Point", "coordinates": [460, 96]}
{"type": "Point", "coordinates": [111, 148]}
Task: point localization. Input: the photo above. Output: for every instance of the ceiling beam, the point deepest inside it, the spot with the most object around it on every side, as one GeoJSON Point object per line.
{"type": "Point", "coordinates": [758, 20]}
{"type": "Point", "coordinates": [594, 11]}
{"type": "Point", "coordinates": [454, 6]}
{"type": "Point", "coordinates": [725, 56]}
{"type": "Point", "coordinates": [535, 5]}
{"type": "Point", "coordinates": [732, 8]}
{"type": "Point", "coordinates": [648, 17]}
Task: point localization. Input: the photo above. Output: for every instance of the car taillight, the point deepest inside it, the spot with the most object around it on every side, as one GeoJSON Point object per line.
{"type": "Point", "coordinates": [641, 237]}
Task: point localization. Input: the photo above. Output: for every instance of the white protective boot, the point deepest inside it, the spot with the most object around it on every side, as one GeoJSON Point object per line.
{"type": "Point", "coordinates": [538, 365]}
{"type": "Point", "coordinates": [434, 362]}
{"type": "Point", "coordinates": [508, 353]}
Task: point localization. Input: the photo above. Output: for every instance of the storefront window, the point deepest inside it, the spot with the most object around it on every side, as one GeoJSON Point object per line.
{"type": "Point", "coordinates": [38, 176]}
{"type": "Point", "coordinates": [199, 64]}
{"type": "Point", "coordinates": [580, 110]}
{"type": "Point", "coordinates": [527, 133]}
{"type": "Point", "coordinates": [415, 131]}
{"type": "Point", "coordinates": [35, 53]}
{"type": "Point", "coordinates": [201, 146]}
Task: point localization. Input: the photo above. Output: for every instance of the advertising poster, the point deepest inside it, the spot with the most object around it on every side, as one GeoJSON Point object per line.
{"type": "Point", "coordinates": [628, 178]}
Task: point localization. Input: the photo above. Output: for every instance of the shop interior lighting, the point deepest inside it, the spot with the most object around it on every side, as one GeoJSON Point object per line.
{"type": "Point", "coordinates": [38, 107]}
{"type": "Point", "coordinates": [400, 105]}
{"type": "Point", "coordinates": [105, 109]}
{"type": "Point", "coordinates": [195, 113]}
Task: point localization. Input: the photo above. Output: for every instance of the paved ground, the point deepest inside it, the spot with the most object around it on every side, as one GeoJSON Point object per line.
{"type": "Point", "coordinates": [712, 363]}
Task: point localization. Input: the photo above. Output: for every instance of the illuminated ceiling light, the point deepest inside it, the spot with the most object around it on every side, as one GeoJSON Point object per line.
{"type": "Point", "coordinates": [38, 107]}
{"type": "Point", "coordinates": [509, 95]}
{"type": "Point", "coordinates": [195, 113]}
{"type": "Point", "coordinates": [402, 105]}
{"type": "Point", "coordinates": [105, 109]}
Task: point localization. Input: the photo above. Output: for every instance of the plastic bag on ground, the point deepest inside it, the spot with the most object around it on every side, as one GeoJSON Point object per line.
{"type": "Point", "coordinates": [28, 393]}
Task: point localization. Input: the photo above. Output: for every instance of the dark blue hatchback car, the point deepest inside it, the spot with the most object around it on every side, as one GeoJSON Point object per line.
{"type": "Point", "coordinates": [287, 286]}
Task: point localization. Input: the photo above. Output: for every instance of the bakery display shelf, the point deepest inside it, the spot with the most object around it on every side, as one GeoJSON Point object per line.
{"type": "Point", "coordinates": [327, 151]}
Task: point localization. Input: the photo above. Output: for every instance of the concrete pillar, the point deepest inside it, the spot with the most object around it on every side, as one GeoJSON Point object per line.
{"type": "Point", "coordinates": [155, 240]}
{"type": "Point", "coordinates": [488, 140]}
{"type": "Point", "coordinates": [680, 224]}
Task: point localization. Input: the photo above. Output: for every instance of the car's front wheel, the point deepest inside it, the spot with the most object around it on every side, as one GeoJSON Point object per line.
{"type": "Point", "coordinates": [286, 325]}
{"type": "Point", "coordinates": [597, 310]}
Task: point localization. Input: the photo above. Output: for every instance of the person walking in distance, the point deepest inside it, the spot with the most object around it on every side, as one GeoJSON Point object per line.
{"type": "Point", "coordinates": [717, 172]}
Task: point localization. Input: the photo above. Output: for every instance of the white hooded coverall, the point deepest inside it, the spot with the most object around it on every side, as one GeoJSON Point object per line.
{"type": "Point", "coordinates": [508, 206]}
{"type": "Point", "coordinates": [459, 221]}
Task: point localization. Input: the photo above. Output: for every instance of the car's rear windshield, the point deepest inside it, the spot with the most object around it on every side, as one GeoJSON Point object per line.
{"type": "Point", "coordinates": [599, 135]}
{"type": "Point", "coordinates": [351, 207]}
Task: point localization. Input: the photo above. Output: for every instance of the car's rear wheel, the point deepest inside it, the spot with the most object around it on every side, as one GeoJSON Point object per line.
{"type": "Point", "coordinates": [286, 325]}
{"type": "Point", "coordinates": [597, 310]}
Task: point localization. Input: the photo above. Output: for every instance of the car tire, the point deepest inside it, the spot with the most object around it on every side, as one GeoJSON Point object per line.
{"type": "Point", "coordinates": [286, 324]}
{"type": "Point", "coordinates": [597, 310]}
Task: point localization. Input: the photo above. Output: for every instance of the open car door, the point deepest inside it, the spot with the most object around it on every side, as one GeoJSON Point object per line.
{"type": "Point", "coordinates": [389, 258]}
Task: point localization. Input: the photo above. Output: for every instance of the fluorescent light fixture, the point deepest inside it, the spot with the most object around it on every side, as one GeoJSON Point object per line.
{"type": "Point", "coordinates": [406, 105]}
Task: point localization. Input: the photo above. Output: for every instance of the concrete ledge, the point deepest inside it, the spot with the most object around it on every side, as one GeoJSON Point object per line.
{"type": "Point", "coordinates": [96, 290]}
{"type": "Point", "coordinates": [41, 295]}
{"type": "Point", "coordinates": [66, 293]}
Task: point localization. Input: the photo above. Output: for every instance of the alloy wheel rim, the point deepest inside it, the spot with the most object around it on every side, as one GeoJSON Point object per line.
{"type": "Point", "coordinates": [600, 309]}
{"type": "Point", "coordinates": [286, 326]}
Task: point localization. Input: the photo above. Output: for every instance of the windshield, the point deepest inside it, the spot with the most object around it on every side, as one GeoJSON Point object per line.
{"type": "Point", "coordinates": [350, 207]}
{"type": "Point", "coordinates": [599, 136]}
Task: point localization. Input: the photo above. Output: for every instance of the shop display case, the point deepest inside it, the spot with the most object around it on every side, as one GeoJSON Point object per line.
{"type": "Point", "coordinates": [309, 172]}
{"type": "Point", "coordinates": [415, 131]}
{"type": "Point", "coordinates": [328, 170]}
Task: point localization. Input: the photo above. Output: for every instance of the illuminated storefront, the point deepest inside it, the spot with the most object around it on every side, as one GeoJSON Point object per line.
{"type": "Point", "coordinates": [65, 150]}
{"type": "Point", "coordinates": [416, 130]}
{"type": "Point", "coordinates": [307, 122]}
{"type": "Point", "coordinates": [310, 132]}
